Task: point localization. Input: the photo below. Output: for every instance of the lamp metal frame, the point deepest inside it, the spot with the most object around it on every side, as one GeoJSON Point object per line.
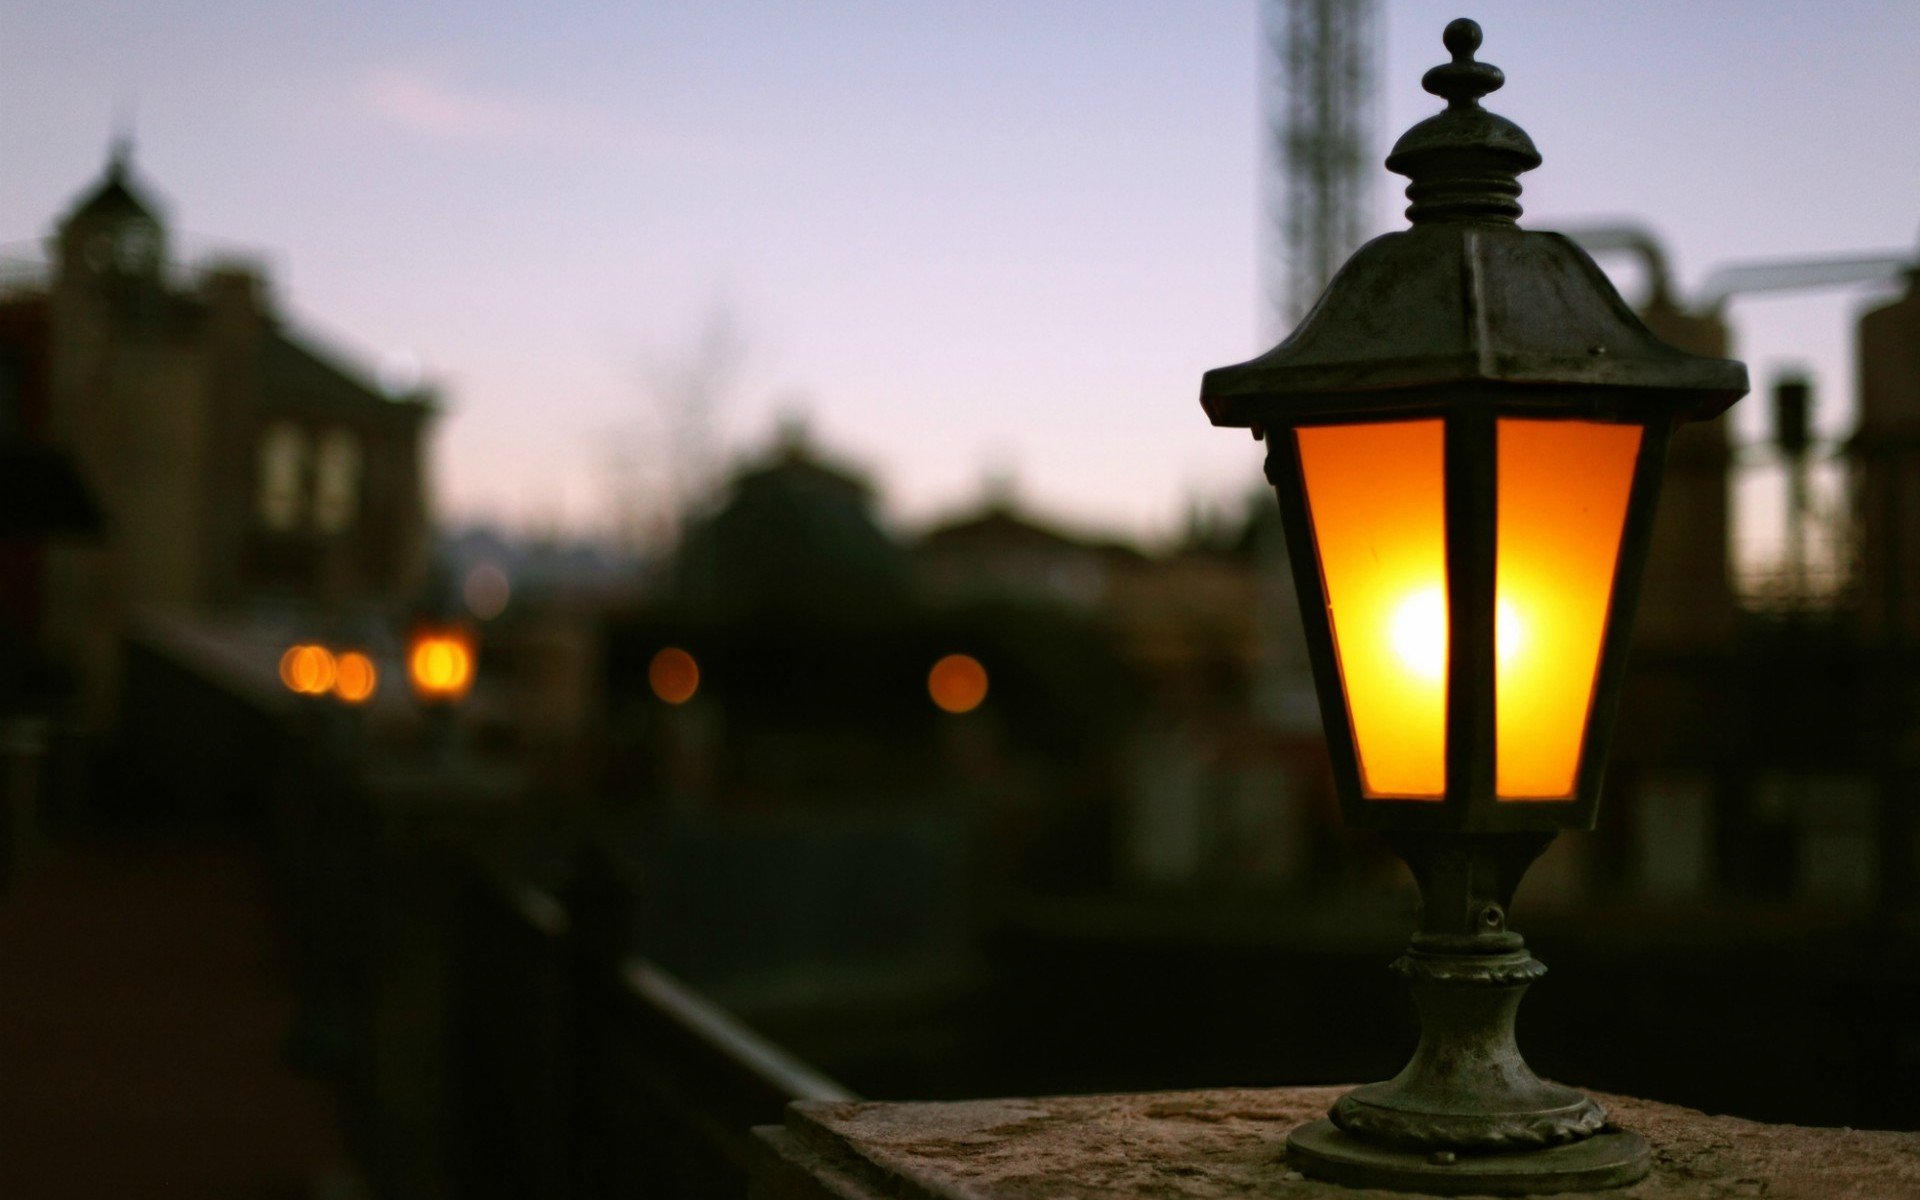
{"type": "Point", "coordinates": [1466, 318]}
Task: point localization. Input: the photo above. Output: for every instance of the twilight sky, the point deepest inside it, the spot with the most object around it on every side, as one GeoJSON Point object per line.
{"type": "Point", "coordinates": [959, 236]}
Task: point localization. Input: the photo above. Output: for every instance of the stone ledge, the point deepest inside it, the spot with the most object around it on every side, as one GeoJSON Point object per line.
{"type": "Point", "coordinates": [1232, 1143]}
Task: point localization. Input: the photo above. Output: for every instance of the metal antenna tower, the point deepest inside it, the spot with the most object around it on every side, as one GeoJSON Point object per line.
{"type": "Point", "coordinates": [1319, 100]}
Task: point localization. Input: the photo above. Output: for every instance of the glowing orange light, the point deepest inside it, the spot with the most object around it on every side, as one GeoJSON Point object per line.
{"type": "Point", "coordinates": [1563, 504]}
{"type": "Point", "coordinates": [440, 666]}
{"type": "Point", "coordinates": [673, 675]}
{"type": "Point", "coordinates": [1377, 496]}
{"type": "Point", "coordinates": [1419, 632]}
{"type": "Point", "coordinates": [1376, 493]}
{"type": "Point", "coordinates": [957, 683]}
{"type": "Point", "coordinates": [307, 669]}
{"type": "Point", "coordinates": [355, 679]}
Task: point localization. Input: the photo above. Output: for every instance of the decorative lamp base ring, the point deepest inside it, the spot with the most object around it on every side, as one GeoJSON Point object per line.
{"type": "Point", "coordinates": [1321, 1150]}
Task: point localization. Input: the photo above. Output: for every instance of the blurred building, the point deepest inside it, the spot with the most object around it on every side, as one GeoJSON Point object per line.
{"type": "Point", "coordinates": [997, 552]}
{"type": "Point", "coordinates": [236, 462]}
{"type": "Point", "coordinates": [1886, 451]}
{"type": "Point", "coordinates": [1220, 770]}
{"type": "Point", "coordinates": [796, 537]}
{"type": "Point", "coordinates": [810, 645]}
{"type": "Point", "coordinates": [1687, 595]}
{"type": "Point", "coordinates": [1768, 724]}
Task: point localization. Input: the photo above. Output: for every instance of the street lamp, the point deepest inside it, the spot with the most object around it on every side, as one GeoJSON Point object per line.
{"type": "Point", "coordinates": [1466, 436]}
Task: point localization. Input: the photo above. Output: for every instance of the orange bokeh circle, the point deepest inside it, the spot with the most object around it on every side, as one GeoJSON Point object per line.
{"type": "Point", "coordinates": [673, 675]}
{"type": "Point", "coordinates": [308, 669]}
{"type": "Point", "coordinates": [355, 678]}
{"type": "Point", "coordinates": [440, 666]}
{"type": "Point", "coordinates": [957, 683]}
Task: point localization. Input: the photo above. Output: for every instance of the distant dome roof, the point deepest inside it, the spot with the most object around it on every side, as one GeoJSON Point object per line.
{"type": "Point", "coordinates": [115, 196]}
{"type": "Point", "coordinates": [797, 535]}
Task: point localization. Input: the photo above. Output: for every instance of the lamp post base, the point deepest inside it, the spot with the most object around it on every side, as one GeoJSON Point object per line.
{"type": "Point", "coordinates": [1321, 1150]}
{"type": "Point", "coordinates": [1467, 1114]}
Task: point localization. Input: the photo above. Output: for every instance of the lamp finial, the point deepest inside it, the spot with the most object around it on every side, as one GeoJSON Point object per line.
{"type": "Point", "coordinates": [1463, 162]}
{"type": "Point", "coordinates": [1463, 81]}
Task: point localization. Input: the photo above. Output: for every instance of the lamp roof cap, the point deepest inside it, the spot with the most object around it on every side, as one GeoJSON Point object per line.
{"type": "Point", "coordinates": [1466, 297]}
{"type": "Point", "coordinates": [1463, 163]}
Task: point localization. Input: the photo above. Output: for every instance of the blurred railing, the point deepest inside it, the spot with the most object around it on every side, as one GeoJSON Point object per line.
{"type": "Point", "coordinates": [490, 1038]}
{"type": "Point", "coordinates": [580, 1071]}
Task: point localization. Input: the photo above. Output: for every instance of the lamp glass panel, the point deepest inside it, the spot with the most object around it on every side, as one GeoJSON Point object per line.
{"type": "Point", "coordinates": [1563, 490]}
{"type": "Point", "coordinates": [1376, 494]}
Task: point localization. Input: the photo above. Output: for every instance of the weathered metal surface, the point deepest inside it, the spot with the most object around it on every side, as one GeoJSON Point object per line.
{"type": "Point", "coordinates": [1467, 1090]}
{"type": "Point", "coordinates": [1466, 318]}
{"type": "Point", "coordinates": [1464, 161]}
{"type": "Point", "coordinates": [1466, 297]}
{"type": "Point", "coordinates": [1325, 1151]}
{"type": "Point", "coordinates": [1232, 1143]}
{"type": "Point", "coordinates": [1452, 303]}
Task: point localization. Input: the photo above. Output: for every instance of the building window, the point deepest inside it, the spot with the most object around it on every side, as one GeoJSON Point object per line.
{"type": "Point", "coordinates": [138, 250]}
{"type": "Point", "coordinates": [283, 468]}
{"type": "Point", "coordinates": [336, 482]}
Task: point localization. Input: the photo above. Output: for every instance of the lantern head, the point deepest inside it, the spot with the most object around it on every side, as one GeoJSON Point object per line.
{"type": "Point", "coordinates": [1466, 436]}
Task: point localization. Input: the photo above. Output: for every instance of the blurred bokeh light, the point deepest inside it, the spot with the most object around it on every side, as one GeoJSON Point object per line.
{"type": "Point", "coordinates": [308, 669]}
{"type": "Point", "coordinates": [441, 666]}
{"type": "Point", "coordinates": [673, 675]}
{"type": "Point", "coordinates": [355, 678]}
{"type": "Point", "coordinates": [957, 683]}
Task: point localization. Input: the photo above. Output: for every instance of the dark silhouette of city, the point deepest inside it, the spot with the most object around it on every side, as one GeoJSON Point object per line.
{"type": "Point", "coordinates": [469, 863]}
